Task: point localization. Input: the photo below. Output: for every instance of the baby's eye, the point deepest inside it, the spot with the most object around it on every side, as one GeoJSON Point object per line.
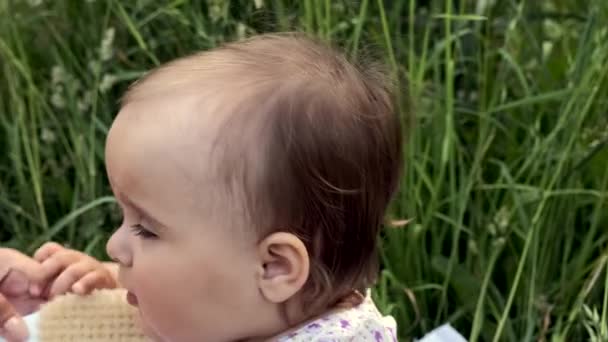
{"type": "Point", "coordinates": [142, 232]}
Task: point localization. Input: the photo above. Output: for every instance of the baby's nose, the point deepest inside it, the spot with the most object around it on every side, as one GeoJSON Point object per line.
{"type": "Point", "coordinates": [118, 247]}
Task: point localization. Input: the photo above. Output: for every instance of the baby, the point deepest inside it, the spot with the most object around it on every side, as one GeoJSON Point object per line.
{"type": "Point", "coordinates": [253, 180]}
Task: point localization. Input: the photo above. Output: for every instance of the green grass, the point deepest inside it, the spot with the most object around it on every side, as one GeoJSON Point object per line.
{"type": "Point", "coordinates": [507, 167]}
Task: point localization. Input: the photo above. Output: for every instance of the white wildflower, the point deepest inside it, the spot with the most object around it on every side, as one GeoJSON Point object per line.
{"type": "Point", "coordinates": [75, 84]}
{"type": "Point", "coordinates": [94, 66]}
{"type": "Point", "coordinates": [472, 246]}
{"type": "Point", "coordinates": [512, 25]}
{"type": "Point", "coordinates": [215, 13]}
{"type": "Point", "coordinates": [84, 102]}
{"type": "Point", "coordinates": [483, 5]}
{"type": "Point", "coordinates": [241, 30]}
{"type": "Point", "coordinates": [48, 136]}
{"type": "Point", "coordinates": [105, 50]}
{"type": "Point", "coordinates": [82, 106]}
{"type": "Point", "coordinates": [473, 96]}
{"type": "Point", "coordinates": [492, 228]}
{"type": "Point", "coordinates": [552, 29]}
{"type": "Point", "coordinates": [57, 75]}
{"type": "Point", "coordinates": [548, 6]}
{"type": "Point", "coordinates": [594, 143]}
{"type": "Point", "coordinates": [416, 229]}
{"type": "Point", "coordinates": [152, 43]}
{"type": "Point", "coordinates": [342, 26]}
{"type": "Point", "coordinates": [586, 133]}
{"type": "Point", "coordinates": [502, 219]}
{"type": "Point", "coordinates": [258, 4]}
{"type": "Point", "coordinates": [547, 47]}
{"type": "Point", "coordinates": [35, 3]}
{"type": "Point", "coordinates": [338, 7]}
{"type": "Point", "coordinates": [58, 100]}
{"type": "Point", "coordinates": [107, 82]}
{"type": "Point", "coordinates": [215, 9]}
{"type": "Point", "coordinates": [498, 243]}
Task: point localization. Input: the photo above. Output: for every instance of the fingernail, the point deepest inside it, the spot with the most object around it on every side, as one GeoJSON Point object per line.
{"type": "Point", "coordinates": [16, 329]}
{"type": "Point", "coordinates": [35, 290]}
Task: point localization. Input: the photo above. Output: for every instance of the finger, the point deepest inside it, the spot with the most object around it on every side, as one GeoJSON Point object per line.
{"type": "Point", "coordinates": [93, 281]}
{"type": "Point", "coordinates": [12, 326]}
{"type": "Point", "coordinates": [14, 284]}
{"type": "Point", "coordinates": [47, 250]}
{"type": "Point", "coordinates": [51, 268]}
{"type": "Point", "coordinates": [15, 330]}
{"type": "Point", "coordinates": [14, 260]}
{"type": "Point", "coordinates": [6, 310]}
{"type": "Point", "coordinates": [54, 265]}
{"type": "Point", "coordinates": [112, 267]}
{"type": "Point", "coordinates": [69, 277]}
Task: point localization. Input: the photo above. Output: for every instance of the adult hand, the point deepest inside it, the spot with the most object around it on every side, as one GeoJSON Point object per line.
{"type": "Point", "coordinates": [17, 273]}
{"type": "Point", "coordinates": [67, 270]}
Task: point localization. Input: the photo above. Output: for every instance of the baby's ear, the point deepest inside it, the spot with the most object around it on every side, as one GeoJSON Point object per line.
{"type": "Point", "coordinates": [285, 266]}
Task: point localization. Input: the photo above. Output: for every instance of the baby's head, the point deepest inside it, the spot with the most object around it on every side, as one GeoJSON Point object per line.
{"type": "Point", "coordinates": [253, 179]}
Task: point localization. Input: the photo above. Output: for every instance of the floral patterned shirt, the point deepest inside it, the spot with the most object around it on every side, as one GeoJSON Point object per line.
{"type": "Point", "coordinates": [360, 323]}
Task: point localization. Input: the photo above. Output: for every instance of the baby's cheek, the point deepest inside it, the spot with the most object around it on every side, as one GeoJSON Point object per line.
{"type": "Point", "coordinates": [158, 316]}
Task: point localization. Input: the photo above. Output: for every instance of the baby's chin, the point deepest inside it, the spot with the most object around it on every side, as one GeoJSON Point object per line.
{"type": "Point", "coordinates": [146, 329]}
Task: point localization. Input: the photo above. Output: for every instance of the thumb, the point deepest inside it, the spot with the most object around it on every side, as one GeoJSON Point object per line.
{"type": "Point", "coordinates": [12, 326]}
{"type": "Point", "coordinates": [14, 284]}
{"type": "Point", "coordinates": [14, 260]}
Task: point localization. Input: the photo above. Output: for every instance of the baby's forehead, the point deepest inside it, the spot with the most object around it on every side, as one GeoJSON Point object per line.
{"type": "Point", "coordinates": [205, 135]}
{"type": "Point", "coordinates": [164, 143]}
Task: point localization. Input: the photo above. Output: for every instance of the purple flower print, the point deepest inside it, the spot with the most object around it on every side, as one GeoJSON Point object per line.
{"type": "Point", "coordinates": [314, 326]}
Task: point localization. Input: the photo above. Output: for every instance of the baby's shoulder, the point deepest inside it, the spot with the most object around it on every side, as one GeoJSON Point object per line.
{"type": "Point", "coordinates": [363, 322]}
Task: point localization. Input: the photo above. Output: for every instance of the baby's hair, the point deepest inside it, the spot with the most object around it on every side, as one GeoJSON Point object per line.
{"type": "Point", "coordinates": [313, 145]}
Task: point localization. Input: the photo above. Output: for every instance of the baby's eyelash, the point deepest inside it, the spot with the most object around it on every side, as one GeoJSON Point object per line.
{"type": "Point", "coordinates": [139, 230]}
